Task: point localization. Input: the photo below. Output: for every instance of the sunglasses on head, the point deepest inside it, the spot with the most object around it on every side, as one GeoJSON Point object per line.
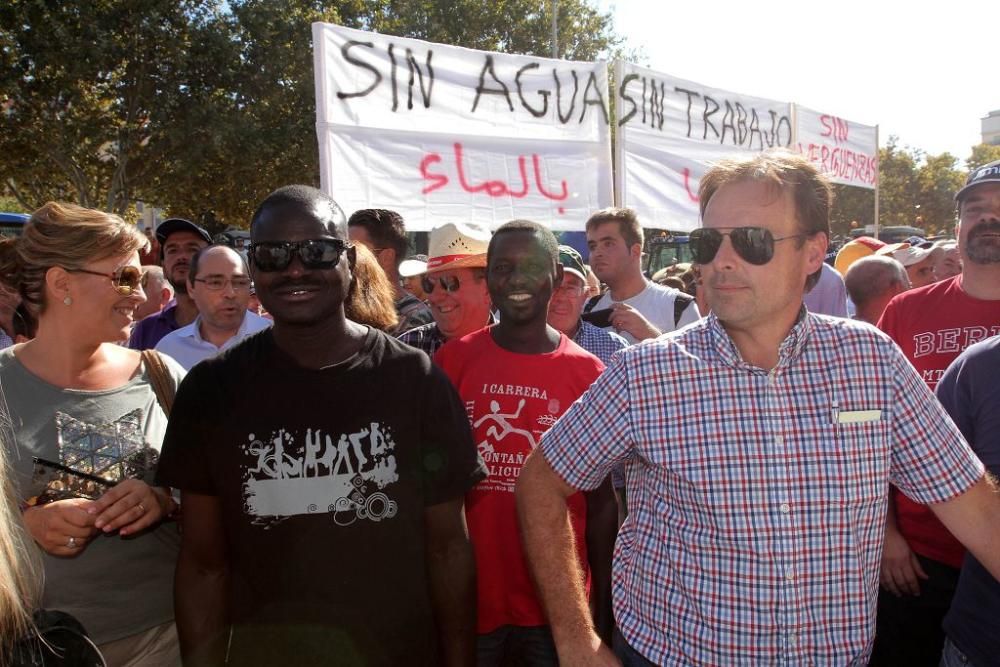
{"type": "Point", "coordinates": [313, 253]}
{"type": "Point", "coordinates": [448, 284]}
{"type": "Point", "coordinates": [755, 245]}
{"type": "Point", "coordinates": [126, 281]}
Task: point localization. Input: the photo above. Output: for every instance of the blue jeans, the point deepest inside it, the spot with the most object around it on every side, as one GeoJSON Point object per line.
{"type": "Point", "coordinates": [952, 656]}
{"type": "Point", "coordinates": [628, 655]}
{"type": "Point", "coordinates": [514, 645]}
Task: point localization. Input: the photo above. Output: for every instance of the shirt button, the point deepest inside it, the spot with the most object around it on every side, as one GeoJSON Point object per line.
{"type": "Point", "coordinates": [792, 640]}
{"type": "Point", "coordinates": [790, 574]}
{"type": "Point", "coordinates": [778, 440]}
{"type": "Point", "coordinates": [785, 508]}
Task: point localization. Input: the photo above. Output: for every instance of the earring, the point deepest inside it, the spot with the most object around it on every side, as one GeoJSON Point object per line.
{"type": "Point", "coordinates": [68, 300]}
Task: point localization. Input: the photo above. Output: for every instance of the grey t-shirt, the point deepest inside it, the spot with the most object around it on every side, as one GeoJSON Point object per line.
{"type": "Point", "coordinates": [116, 586]}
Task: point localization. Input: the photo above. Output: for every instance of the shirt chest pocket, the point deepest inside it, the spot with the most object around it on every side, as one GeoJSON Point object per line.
{"type": "Point", "coordinates": [854, 464]}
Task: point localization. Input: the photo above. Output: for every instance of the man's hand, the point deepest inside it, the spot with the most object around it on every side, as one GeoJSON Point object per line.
{"type": "Point", "coordinates": [451, 574]}
{"type": "Point", "coordinates": [62, 528]}
{"type": "Point", "coordinates": [201, 585]}
{"type": "Point", "coordinates": [628, 319]}
{"type": "Point", "coordinates": [130, 507]}
{"type": "Point", "coordinates": [901, 571]}
{"type": "Point", "coordinates": [592, 653]}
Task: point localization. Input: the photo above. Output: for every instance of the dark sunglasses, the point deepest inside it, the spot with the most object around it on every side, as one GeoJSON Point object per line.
{"type": "Point", "coordinates": [448, 284]}
{"type": "Point", "coordinates": [126, 280]}
{"type": "Point", "coordinates": [313, 253]}
{"type": "Point", "coordinates": [754, 245]}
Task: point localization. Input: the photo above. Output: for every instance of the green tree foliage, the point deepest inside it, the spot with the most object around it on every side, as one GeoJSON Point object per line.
{"type": "Point", "coordinates": [898, 187]}
{"type": "Point", "coordinates": [938, 179]}
{"type": "Point", "coordinates": [247, 123]}
{"type": "Point", "coordinates": [916, 190]}
{"type": "Point", "coordinates": [201, 107]}
{"type": "Point", "coordinates": [853, 208]}
{"type": "Point", "coordinates": [982, 154]}
{"type": "Point", "coordinates": [10, 205]}
{"type": "Point", "coordinates": [82, 88]}
{"type": "Point", "coordinates": [512, 26]}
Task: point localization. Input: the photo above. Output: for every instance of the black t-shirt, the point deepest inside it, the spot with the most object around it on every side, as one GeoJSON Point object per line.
{"type": "Point", "coordinates": [326, 550]}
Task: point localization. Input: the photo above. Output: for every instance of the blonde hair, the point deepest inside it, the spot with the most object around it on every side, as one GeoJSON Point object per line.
{"type": "Point", "coordinates": [20, 566]}
{"type": "Point", "coordinates": [69, 236]}
{"type": "Point", "coordinates": [371, 298]}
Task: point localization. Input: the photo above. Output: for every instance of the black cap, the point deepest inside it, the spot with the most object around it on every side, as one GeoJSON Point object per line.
{"type": "Point", "coordinates": [988, 173]}
{"type": "Point", "coordinates": [171, 225]}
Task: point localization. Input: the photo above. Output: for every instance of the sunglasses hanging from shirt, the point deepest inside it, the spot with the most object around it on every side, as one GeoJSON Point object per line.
{"type": "Point", "coordinates": [754, 245]}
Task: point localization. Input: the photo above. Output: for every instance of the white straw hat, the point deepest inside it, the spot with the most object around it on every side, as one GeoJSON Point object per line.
{"type": "Point", "coordinates": [457, 246]}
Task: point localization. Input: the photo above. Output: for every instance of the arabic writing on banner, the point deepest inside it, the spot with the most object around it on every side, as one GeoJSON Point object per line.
{"type": "Point", "coordinates": [671, 130]}
{"type": "Point", "coordinates": [847, 152]}
{"type": "Point", "coordinates": [447, 134]}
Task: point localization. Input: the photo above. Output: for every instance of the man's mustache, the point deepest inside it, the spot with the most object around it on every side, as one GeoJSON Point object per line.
{"type": "Point", "coordinates": [991, 227]}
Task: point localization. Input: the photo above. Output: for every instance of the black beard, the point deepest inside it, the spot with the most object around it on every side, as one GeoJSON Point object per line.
{"type": "Point", "coordinates": [987, 253]}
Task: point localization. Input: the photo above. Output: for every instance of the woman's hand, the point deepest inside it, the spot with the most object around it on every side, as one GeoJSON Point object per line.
{"type": "Point", "coordinates": [63, 527]}
{"type": "Point", "coordinates": [130, 506]}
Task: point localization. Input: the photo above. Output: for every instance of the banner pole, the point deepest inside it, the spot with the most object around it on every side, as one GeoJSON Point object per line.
{"type": "Point", "coordinates": [555, 29]}
{"type": "Point", "coordinates": [878, 179]}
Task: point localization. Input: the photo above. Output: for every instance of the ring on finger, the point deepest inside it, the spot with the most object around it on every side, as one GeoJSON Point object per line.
{"type": "Point", "coordinates": [141, 508]}
{"type": "Point", "coordinates": [71, 543]}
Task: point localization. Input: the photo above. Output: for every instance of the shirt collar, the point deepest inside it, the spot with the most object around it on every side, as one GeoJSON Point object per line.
{"type": "Point", "coordinates": [789, 350]}
{"type": "Point", "coordinates": [193, 330]}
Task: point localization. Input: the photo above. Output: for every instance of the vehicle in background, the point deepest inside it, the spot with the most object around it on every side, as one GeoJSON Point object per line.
{"type": "Point", "coordinates": [664, 248]}
{"type": "Point", "coordinates": [12, 224]}
{"type": "Point", "coordinates": [237, 239]}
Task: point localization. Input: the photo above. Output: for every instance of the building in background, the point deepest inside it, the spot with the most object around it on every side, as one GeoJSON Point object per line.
{"type": "Point", "coordinates": [991, 128]}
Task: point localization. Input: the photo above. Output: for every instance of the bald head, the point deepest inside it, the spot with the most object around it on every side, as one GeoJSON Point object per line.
{"type": "Point", "coordinates": [872, 282]}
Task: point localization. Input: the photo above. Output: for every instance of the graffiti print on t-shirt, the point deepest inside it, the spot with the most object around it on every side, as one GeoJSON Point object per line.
{"type": "Point", "coordinates": [345, 475]}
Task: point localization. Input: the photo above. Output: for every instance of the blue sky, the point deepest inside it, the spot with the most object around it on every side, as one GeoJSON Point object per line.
{"type": "Point", "coordinates": [925, 72]}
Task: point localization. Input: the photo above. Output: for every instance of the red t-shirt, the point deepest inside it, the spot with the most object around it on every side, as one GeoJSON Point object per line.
{"type": "Point", "coordinates": [511, 399]}
{"type": "Point", "coordinates": [932, 325]}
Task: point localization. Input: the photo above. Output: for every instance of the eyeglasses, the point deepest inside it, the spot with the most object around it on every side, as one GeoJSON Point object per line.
{"type": "Point", "coordinates": [448, 284]}
{"type": "Point", "coordinates": [218, 283]}
{"type": "Point", "coordinates": [126, 281]}
{"type": "Point", "coordinates": [753, 244]}
{"type": "Point", "coordinates": [314, 254]}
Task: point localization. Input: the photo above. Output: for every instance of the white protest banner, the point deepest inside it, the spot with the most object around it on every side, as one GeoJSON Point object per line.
{"type": "Point", "coordinates": [671, 130]}
{"type": "Point", "coordinates": [446, 134]}
{"type": "Point", "coordinates": [847, 152]}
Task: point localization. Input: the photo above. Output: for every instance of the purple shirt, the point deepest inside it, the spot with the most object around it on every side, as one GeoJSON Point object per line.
{"type": "Point", "coordinates": [829, 296]}
{"type": "Point", "coordinates": [148, 332]}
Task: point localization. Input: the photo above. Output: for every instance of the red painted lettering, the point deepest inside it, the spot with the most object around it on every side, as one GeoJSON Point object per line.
{"type": "Point", "coordinates": [439, 180]}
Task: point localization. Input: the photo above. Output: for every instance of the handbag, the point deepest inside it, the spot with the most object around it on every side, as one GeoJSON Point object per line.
{"type": "Point", "coordinates": [160, 379]}
{"type": "Point", "coordinates": [57, 640]}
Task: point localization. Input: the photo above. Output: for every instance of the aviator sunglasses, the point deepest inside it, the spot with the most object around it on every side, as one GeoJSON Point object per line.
{"type": "Point", "coordinates": [126, 281]}
{"type": "Point", "coordinates": [754, 245]}
{"type": "Point", "coordinates": [448, 284]}
{"type": "Point", "coordinates": [313, 253]}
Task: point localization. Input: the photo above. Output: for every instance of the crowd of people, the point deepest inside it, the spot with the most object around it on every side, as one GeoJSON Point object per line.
{"type": "Point", "coordinates": [321, 450]}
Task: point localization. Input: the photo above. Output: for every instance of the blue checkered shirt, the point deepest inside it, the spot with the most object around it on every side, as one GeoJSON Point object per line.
{"type": "Point", "coordinates": [599, 342]}
{"type": "Point", "coordinates": [757, 499]}
{"type": "Point", "coordinates": [429, 338]}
